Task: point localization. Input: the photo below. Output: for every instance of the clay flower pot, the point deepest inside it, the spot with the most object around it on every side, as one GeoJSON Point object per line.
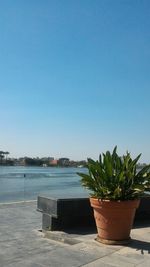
{"type": "Point", "coordinates": [116, 186]}
{"type": "Point", "coordinates": [114, 219]}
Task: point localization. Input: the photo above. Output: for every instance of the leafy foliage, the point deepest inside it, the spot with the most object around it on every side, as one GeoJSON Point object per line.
{"type": "Point", "coordinates": [114, 177]}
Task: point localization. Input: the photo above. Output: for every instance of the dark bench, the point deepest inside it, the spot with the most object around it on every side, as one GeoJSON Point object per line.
{"type": "Point", "coordinates": [65, 213]}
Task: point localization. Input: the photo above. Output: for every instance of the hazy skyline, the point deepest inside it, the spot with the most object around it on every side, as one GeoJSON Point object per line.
{"type": "Point", "coordinates": [75, 77]}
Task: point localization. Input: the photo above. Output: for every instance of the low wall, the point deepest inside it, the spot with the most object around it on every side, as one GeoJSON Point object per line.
{"type": "Point", "coordinates": [60, 214]}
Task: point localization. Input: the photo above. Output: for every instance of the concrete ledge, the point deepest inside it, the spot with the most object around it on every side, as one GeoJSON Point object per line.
{"type": "Point", "coordinates": [143, 212]}
{"type": "Point", "coordinates": [61, 214]}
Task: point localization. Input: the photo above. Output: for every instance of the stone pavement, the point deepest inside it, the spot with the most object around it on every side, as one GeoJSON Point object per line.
{"type": "Point", "coordinates": [23, 245]}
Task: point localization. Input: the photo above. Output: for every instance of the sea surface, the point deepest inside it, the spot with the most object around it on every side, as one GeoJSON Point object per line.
{"type": "Point", "coordinates": [26, 183]}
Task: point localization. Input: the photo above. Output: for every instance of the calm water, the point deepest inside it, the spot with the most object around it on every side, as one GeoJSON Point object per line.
{"type": "Point", "coordinates": [39, 181]}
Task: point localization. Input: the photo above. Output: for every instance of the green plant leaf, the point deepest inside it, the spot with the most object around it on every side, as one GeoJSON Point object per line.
{"type": "Point", "coordinates": [115, 177]}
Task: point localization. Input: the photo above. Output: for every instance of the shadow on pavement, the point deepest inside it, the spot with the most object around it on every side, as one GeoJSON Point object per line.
{"type": "Point", "coordinates": [143, 246]}
{"type": "Point", "coordinates": [81, 230]}
{"type": "Point", "coordinates": [141, 224]}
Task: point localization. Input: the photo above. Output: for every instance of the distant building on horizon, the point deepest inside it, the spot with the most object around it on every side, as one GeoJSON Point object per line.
{"type": "Point", "coordinates": [53, 162]}
{"type": "Point", "coordinates": [64, 162]}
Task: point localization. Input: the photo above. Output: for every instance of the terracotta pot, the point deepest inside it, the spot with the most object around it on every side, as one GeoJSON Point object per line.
{"type": "Point", "coordinates": [114, 219]}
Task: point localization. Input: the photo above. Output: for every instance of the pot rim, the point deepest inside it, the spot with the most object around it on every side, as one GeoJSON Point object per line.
{"type": "Point", "coordinates": [114, 203]}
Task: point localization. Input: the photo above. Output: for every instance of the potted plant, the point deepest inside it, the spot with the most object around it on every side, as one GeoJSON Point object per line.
{"type": "Point", "coordinates": [116, 187]}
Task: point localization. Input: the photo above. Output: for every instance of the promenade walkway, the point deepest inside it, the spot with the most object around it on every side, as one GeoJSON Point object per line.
{"type": "Point", "coordinates": [23, 245]}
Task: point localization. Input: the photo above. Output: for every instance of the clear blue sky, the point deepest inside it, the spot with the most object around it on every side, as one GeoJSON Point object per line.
{"type": "Point", "coordinates": [74, 77]}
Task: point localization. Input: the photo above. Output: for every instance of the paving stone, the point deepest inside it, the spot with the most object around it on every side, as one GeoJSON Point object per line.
{"type": "Point", "coordinates": [94, 249]}
{"type": "Point", "coordinates": [24, 263]}
{"type": "Point", "coordinates": [137, 250]}
{"type": "Point", "coordinates": [22, 245]}
{"type": "Point", "coordinates": [118, 260]}
{"type": "Point", "coordinates": [145, 263]}
{"type": "Point", "coordinates": [64, 257]}
{"type": "Point", "coordinates": [98, 263]}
